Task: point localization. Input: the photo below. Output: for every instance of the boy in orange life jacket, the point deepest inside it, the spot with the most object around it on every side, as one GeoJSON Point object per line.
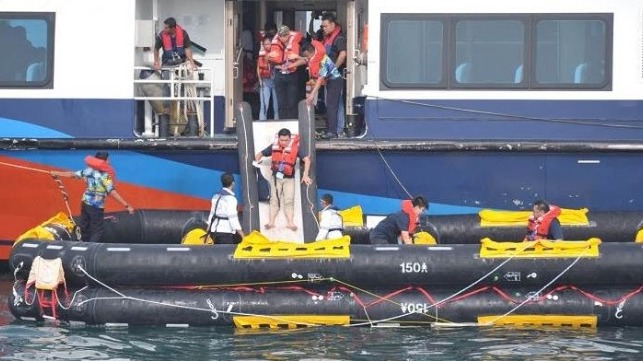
{"type": "Point", "coordinates": [543, 223]}
{"type": "Point", "coordinates": [284, 153]}
{"type": "Point", "coordinates": [266, 74]}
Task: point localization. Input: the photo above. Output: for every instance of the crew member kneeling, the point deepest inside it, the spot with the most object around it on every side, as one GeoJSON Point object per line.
{"type": "Point", "coordinates": [400, 224]}
{"type": "Point", "coordinates": [223, 221]}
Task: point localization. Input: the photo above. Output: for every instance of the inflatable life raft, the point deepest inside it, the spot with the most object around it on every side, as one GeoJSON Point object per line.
{"type": "Point", "coordinates": [261, 283]}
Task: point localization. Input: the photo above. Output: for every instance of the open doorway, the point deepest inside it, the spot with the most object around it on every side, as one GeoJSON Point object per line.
{"type": "Point", "coordinates": [247, 20]}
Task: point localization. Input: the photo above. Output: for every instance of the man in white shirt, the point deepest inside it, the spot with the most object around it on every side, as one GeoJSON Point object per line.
{"type": "Point", "coordinates": [223, 221]}
{"type": "Point", "coordinates": [330, 222]}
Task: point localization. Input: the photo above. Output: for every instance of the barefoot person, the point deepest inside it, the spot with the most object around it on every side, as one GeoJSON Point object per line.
{"type": "Point", "coordinates": [284, 153]}
{"type": "Point", "coordinates": [99, 177]}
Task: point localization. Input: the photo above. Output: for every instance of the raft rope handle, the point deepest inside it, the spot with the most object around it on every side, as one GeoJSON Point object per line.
{"type": "Point", "coordinates": [59, 183]}
{"type": "Point", "coordinates": [535, 295]}
{"type": "Point", "coordinates": [207, 310]}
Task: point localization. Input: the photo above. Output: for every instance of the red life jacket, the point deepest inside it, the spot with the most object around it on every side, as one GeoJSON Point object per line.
{"type": "Point", "coordinates": [285, 158]}
{"type": "Point", "coordinates": [407, 207]}
{"type": "Point", "coordinates": [314, 64]}
{"type": "Point", "coordinates": [329, 43]}
{"type": "Point", "coordinates": [291, 47]}
{"type": "Point", "coordinates": [263, 66]}
{"type": "Point", "coordinates": [166, 39]}
{"type": "Point", "coordinates": [539, 228]}
{"type": "Point", "coordinates": [100, 165]}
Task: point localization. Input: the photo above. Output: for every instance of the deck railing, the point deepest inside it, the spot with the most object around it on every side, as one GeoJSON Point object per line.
{"type": "Point", "coordinates": [198, 88]}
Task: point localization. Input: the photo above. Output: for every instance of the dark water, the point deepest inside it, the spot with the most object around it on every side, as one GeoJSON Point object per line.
{"type": "Point", "coordinates": [26, 341]}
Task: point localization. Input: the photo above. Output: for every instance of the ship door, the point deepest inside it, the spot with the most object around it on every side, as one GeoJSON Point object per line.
{"type": "Point", "coordinates": [356, 45]}
{"type": "Point", "coordinates": [233, 65]}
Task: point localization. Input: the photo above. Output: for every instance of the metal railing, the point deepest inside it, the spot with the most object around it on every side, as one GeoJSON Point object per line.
{"type": "Point", "coordinates": [204, 93]}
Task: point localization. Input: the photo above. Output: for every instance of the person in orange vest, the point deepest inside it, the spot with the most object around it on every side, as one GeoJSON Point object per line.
{"type": "Point", "coordinates": [543, 223]}
{"type": "Point", "coordinates": [398, 227]}
{"type": "Point", "coordinates": [284, 153]}
{"type": "Point", "coordinates": [266, 75]}
{"type": "Point", "coordinates": [176, 45]}
{"type": "Point", "coordinates": [284, 55]}
{"type": "Point", "coordinates": [322, 69]}
{"type": "Point", "coordinates": [99, 178]}
{"type": "Point", "coordinates": [335, 45]}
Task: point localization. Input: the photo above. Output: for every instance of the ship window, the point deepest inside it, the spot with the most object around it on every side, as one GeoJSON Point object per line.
{"type": "Point", "coordinates": [414, 53]}
{"type": "Point", "coordinates": [488, 51]}
{"type": "Point", "coordinates": [28, 43]}
{"type": "Point", "coordinates": [571, 52]}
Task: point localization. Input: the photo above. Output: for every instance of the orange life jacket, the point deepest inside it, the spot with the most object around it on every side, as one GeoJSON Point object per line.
{"type": "Point", "coordinates": [314, 64]}
{"type": "Point", "coordinates": [407, 207]}
{"type": "Point", "coordinates": [168, 47]}
{"type": "Point", "coordinates": [284, 159]}
{"type": "Point", "coordinates": [263, 66]}
{"type": "Point", "coordinates": [539, 228]}
{"type": "Point", "coordinates": [291, 47]}
{"type": "Point", "coordinates": [329, 43]}
{"type": "Point", "coordinates": [100, 165]}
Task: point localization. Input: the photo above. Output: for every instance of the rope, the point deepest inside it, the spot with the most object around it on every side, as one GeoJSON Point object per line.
{"type": "Point", "coordinates": [311, 138]}
{"type": "Point", "coordinates": [514, 116]}
{"type": "Point", "coordinates": [189, 90]}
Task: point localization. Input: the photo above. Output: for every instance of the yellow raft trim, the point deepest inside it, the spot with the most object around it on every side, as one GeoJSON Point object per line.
{"type": "Point", "coordinates": [540, 249]}
{"type": "Point", "coordinates": [257, 246]}
{"type": "Point", "coordinates": [496, 218]}
{"type": "Point", "coordinates": [424, 238]}
{"type": "Point", "coordinates": [639, 236]}
{"type": "Point", "coordinates": [42, 232]}
{"type": "Point", "coordinates": [581, 321]}
{"type": "Point", "coordinates": [289, 321]}
{"type": "Point", "coordinates": [197, 237]}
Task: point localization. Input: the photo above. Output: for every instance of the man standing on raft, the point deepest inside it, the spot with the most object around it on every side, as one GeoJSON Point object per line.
{"type": "Point", "coordinates": [284, 153]}
{"type": "Point", "coordinates": [99, 177]}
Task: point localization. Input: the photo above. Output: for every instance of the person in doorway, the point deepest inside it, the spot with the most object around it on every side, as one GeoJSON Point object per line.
{"type": "Point", "coordinates": [266, 75]}
{"type": "Point", "coordinates": [331, 225]}
{"type": "Point", "coordinates": [99, 180]}
{"type": "Point", "coordinates": [284, 153]}
{"type": "Point", "coordinates": [543, 223]}
{"type": "Point", "coordinates": [322, 69]}
{"type": "Point", "coordinates": [398, 227]}
{"type": "Point", "coordinates": [223, 221]}
{"type": "Point", "coordinates": [284, 55]}
{"type": "Point", "coordinates": [335, 46]}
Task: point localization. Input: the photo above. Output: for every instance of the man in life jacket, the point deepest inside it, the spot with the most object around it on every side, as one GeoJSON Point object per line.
{"type": "Point", "coordinates": [543, 223]}
{"type": "Point", "coordinates": [284, 153]}
{"type": "Point", "coordinates": [335, 46]}
{"type": "Point", "coordinates": [176, 45]}
{"type": "Point", "coordinates": [99, 180]}
{"type": "Point", "coordinates": [284, 55]}
{"type": "Point", "coordinates": [398, 227]}
{"type": "Point", "coordinates": [331, 224]}
{"type": "Point", "coordinates": [223, 221]}
{"type": "Point", "coordinates": [322, 69]}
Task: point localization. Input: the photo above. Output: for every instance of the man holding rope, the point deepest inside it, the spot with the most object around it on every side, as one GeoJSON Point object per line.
{"type": "Point", "coordinates": [99, 178]}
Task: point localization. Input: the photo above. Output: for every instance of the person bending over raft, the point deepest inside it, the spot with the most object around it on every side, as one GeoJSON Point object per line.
{"type": "Point", "coordinates": [400, 224]}
{"type": "Point", "coordinates": [543, 223]}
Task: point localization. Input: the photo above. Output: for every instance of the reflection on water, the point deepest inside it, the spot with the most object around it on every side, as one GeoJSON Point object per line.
{"type": "Point", "coordinates": [26, 341]}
